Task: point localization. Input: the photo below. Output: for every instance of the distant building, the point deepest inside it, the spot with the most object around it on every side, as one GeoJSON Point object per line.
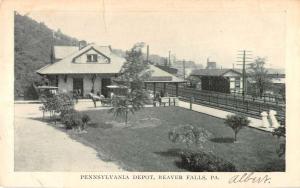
{"type": "Point", "coordinates": [185, 67]}
{"type": "Point", "coordinates": [218, 80]}
{"type": "Point", "coordinates": [211, 64]}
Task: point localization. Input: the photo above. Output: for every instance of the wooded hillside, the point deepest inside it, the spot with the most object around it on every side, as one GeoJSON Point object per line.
{"type": "Point", "coordinates": [33, 46]}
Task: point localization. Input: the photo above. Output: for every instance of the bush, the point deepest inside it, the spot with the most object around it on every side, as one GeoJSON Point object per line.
{"type": "Point", "coordinates": [189, 134]}
{"type": "Point", "coordinates": [85, 119]}
{"type": "Point", "coordinates": [280, 132]}
{"type": "Point", "coordinates": [204, 162]}
{"type": "Point", "coordinates": [60, 103]}
{"type": "Point", "coordinates": [72, 120]}
{"type": "Point", "coordinates": [272, 166]}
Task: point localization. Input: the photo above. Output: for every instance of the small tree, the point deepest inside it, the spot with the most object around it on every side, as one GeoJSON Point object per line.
{"type": "Point", "coordinates": [259, 74]}
{"type": "Point", "coordinates": [236, 122]}
{"type": "Point", "coordinates": [280, 132]}
{"type": "Point", "coordinates": [133, 74]}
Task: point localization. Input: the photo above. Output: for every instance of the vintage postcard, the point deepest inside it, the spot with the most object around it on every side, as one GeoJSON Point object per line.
{"type": "Point", "coordinates": [153, 93]}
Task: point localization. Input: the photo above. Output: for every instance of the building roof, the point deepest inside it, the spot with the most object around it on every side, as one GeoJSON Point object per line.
{"type": "Point", "coordinates": [159, 75]}
{"type": "Point", "coordinates": [61, 52]}
{"type": "Point", "coordinates": [273, 80]}
{"type": "Point", "coordinates": [212, 72]}
{"type": "Point", "coordinates": [168, 69]}
{"type": "Point", "coordinates": [273, 71]}
{"type": "Point", "coordinates": [278, 80]}
{"type": "Point", "coordinates": [66, 66]}
{"type": "Point", "coordinates": [220, 72]}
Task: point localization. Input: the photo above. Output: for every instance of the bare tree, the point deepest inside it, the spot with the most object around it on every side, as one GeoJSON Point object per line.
{"type": "Point", "coordinates": [259, 74]}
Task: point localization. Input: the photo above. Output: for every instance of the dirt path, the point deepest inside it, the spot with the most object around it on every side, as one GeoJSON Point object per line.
{"type": "Point", "coordinates": [40, 147]}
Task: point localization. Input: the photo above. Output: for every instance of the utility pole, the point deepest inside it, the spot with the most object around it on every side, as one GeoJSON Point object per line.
{"type": "Point", "coordinates": [169, 58]}
{"type": "Point", "coordinates": [183, 64]}
{"type": "Point", "coordinates": [147, 54]}
{"type": "Point", "coordinates": [242, 54]}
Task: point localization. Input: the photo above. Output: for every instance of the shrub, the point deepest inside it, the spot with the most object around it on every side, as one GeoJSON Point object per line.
{"type": "Point", "coordinates": [72, 120]}
{"type": "Point", "coordinates": [280, 132]}
{"type": "Point", "coordinates": [60, 103]}
{"type": "Point", "coordinates": [85, 119]}
{"type": "Point", "coordinates": [205, 162]}
{"type": "Point", "coordinates": [236, 122]}
{"type": "Point", "coordinates": [272, 166]}
{"type": "Point", "coordinates": [189, 134]}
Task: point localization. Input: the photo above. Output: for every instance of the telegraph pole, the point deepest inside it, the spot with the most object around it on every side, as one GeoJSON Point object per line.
{"type": "Point", "coordinates": [183, 63]}
{"type": "Point", "coordinates": [169, 58]}
{"type": "Point", "coordinates": [147, 54]}
{"type": "Point", "coordinates": [246, 60]}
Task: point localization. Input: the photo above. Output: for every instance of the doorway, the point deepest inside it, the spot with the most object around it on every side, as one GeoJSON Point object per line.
{"type": "Point", "coordinates": [104, 90]}
{"type": "Point", "coordinates": [78, 86]}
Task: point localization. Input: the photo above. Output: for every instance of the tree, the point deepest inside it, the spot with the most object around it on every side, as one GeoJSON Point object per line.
{"type": "Point", "coordinates": [259, 74]}
{"type": "Point", "coordinates": [121, 107]}
{"type": "Point", "coordinates": [133, 74]}
{"type": "Point", "coordinates": [282, 92]}
{"type": "Point", "coordinates": [236, 122]}
{"type": "Point", "coordinates": [280, 132]}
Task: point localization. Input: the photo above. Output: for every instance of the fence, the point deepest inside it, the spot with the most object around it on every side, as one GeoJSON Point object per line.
{"type": "Point", "coordinates": [231, 102]}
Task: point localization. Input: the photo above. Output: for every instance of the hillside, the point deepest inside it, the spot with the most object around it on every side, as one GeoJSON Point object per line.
{"type": "Point", "coordinates": [33, 46]}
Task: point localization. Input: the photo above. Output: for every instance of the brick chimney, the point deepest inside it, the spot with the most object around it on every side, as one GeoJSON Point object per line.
{"type": "Point", "coordinates": [211, 64]}
{"type": "Point", "coordinates": [82, 44]}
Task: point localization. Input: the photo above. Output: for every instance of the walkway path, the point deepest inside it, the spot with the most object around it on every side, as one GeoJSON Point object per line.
{"type": "Point", "coordinates": [255, 123]}
{"type": "Point", "coordinates": [40, 147]}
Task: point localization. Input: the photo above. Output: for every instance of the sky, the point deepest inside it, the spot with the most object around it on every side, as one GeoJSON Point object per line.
{"type": "Point", "coordinates": [189, 35]}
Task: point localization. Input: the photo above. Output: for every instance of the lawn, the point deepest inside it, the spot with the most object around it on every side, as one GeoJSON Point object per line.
{"type": "Point", "coordinates": [144, 146]}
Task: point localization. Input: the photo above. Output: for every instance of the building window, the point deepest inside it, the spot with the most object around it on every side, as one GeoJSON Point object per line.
{"type": "Point", "coordinates": [237, 82]}
{"type": "Point", "coordinates": [92, 58]}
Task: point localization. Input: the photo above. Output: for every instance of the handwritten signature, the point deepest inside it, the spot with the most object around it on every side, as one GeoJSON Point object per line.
{"type": "Point", "coordinates": [250, 178]}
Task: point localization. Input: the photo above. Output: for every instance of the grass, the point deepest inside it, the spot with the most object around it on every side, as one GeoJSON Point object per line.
{"type": "Point", "coordinates": [144, 146]}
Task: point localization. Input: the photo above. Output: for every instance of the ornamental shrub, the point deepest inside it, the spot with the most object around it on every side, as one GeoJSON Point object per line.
{"type": "Point", "coordinates": [85, 119]}
{"type": "Point", "coordinates": [205, 162]}
{"type": "Point", "coordinates": [72, 120]}
{"type": "Point", "coordinates": [60, 103]}
{"type": "Point", "coordinates": [280, 132]}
